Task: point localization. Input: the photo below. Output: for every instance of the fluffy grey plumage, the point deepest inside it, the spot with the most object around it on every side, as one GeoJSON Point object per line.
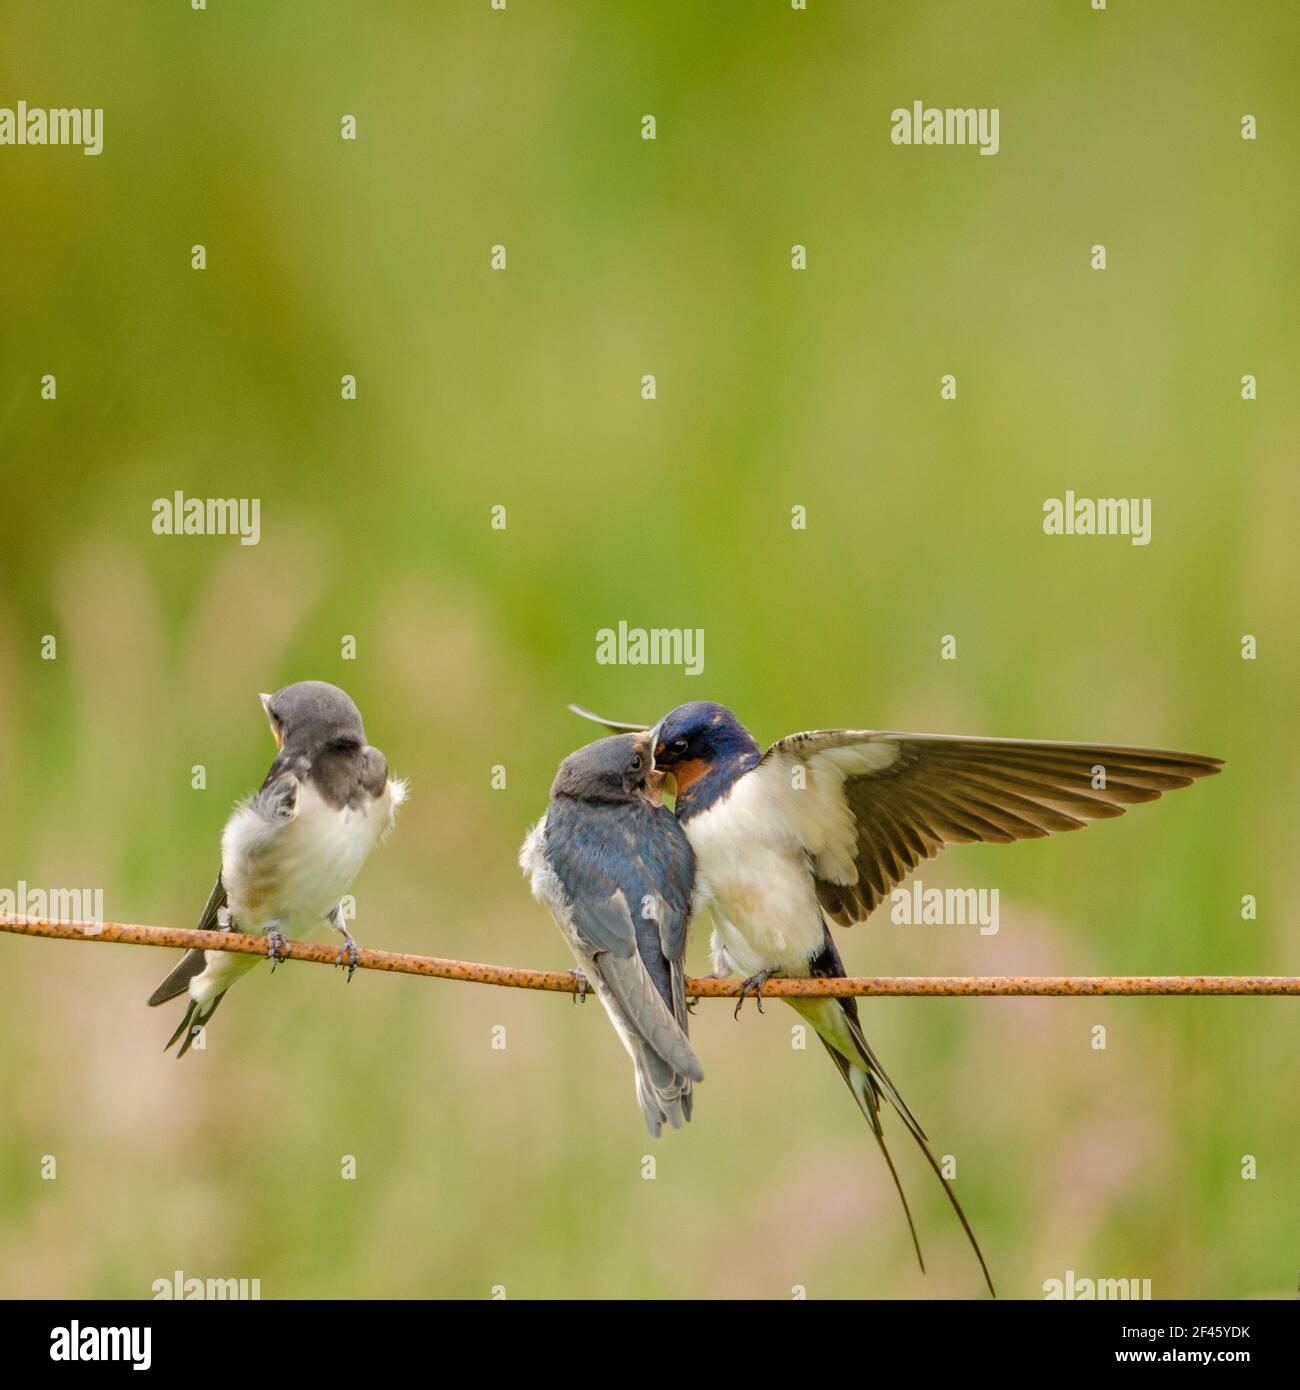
{"type": "Point", "coordinates": [290, 852]}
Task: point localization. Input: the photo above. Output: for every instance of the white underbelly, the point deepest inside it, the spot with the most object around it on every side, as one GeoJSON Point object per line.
{"type": "Point", "coordinates": [764, 921]}
{"type": "Point", "coordinates": [297, 874]}
{"type": "Point", "coordinates": [757, 885]}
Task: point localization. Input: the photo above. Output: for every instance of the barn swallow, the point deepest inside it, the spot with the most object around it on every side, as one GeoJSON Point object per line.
{"type": "Point", "coordinates": [290, 852]}
{"type": "Point", "coordinates": [822, 826]}
{"type": "Point", "coordinates": [616, 870]}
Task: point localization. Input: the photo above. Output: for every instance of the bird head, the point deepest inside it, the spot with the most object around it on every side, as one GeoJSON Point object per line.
{"type": "Point", "coordinates": [691, 740]}
{"type": "Point", "coordinates": [311, 714]}
{"type": "Point", "coordinates": [617, 769]}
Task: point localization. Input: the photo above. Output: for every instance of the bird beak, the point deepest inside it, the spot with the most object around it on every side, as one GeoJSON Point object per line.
{"type": "Point", "coordinates": [654, 778]}
{"type": "Point", "coordinates": [661, 775]}
{"type": "Point", "coordinates": [276, 731]}
{"type": "Point", "coordinates": [657, 744]}
{"type": "Point", "coordinates": [654, 786]}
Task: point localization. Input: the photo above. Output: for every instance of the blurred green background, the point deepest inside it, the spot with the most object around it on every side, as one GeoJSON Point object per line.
{"type": "Point", "coordinates": [522, 1168]}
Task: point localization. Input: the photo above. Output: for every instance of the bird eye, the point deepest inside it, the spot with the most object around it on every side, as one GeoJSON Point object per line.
{"type": "Point", "coordinates": [679, 745]}
{"type": "Point", "coordinates": [636, 763]}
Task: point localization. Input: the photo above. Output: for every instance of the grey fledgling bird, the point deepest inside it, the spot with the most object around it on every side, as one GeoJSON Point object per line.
{"type": "Point", "coordinates": [616, 870]}
{"type": "Point", "coordinates": [290, 852]}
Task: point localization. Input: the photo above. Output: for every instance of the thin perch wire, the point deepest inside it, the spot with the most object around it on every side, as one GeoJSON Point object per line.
{"type": "Point", "coordinates": [565, 982]}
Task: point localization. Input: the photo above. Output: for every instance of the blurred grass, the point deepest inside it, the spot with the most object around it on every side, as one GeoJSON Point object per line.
{"type": "Point", "coordinates": [522, 1168]}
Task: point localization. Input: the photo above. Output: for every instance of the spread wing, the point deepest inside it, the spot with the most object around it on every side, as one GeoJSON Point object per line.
{"type": "Point", "coordinates": [869, 806]}
{"type": "Point", "coordinates": [627, 875]}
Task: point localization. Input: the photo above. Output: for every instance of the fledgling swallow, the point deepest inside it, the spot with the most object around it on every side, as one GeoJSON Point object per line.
{"type": "Point", "coordinates": [822, 826]}
{"type": "Point", "coordinates": [290, 852]}
{"type": "Point", "coordinates": [616, 870]}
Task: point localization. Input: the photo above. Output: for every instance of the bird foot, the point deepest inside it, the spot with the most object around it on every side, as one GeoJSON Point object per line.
{"type": "Point", "coordinates": [277, 949]}
{"type": "Point", "coordinates": [753, 985]}
{"type": "Point", "coordinates": [349, 953]}
{"type": "Point", "coordinates": [582, 986]}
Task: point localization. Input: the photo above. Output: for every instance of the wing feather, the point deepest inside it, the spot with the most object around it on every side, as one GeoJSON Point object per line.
{"type": "Point", "coordinates": [875, 804]}
{"type": "Point", "coordinates": [627, 874]}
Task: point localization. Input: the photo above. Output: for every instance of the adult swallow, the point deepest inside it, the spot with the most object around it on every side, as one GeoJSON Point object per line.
{"type": "Point", "coordinates": [290, 852]}
{"type": "Point", "coordinates": [616, 870]}
{"type": "Point", "coordinates": [822, 826]}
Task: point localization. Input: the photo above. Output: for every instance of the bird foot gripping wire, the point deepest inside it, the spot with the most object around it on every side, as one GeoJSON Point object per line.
{"type": "Point", "coordinates": [349, 953]}
{"type": "Point", "coordinates": [753, 986]}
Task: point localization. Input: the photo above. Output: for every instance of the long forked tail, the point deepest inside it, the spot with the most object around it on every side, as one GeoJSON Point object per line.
{"type": "Point", "coordinates": [190, 966]}
{"type": "Point", "coordinates": [870, 1084]}
{"type": "Point", "coordinates": [196, 1016]}
{"type": "Point", "coordinates": [859, 1082]}
{"type": "Point", "coordinates": [837, 1024]}
{"type": "Point", "coordinates": [192, 963]}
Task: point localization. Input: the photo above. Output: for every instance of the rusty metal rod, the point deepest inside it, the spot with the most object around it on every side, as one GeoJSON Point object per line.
{"type": "Point", "coordinates": [563, 981]}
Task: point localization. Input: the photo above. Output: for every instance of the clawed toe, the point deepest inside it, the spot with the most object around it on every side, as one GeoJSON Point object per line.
{"type": "Point", "coordinates": [753, 985]}
{"type": "Point", "coordinates": [277, 948]}
{"type": "Point", "coordinates": [349, 954]}
{"type": "Point", "coordinates": [580, 992]}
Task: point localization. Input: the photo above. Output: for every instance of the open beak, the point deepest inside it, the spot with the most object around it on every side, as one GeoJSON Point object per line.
{"type": "Point", "coordinates": [654, 786]}
{"type": "Point", "coordinates": [658, 774]}
{"type": "Point", "coordinates": [654, 778]}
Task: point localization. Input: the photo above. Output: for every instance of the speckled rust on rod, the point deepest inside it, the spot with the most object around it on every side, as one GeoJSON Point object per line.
{"type": "Point", "coordinates": [563, 981]}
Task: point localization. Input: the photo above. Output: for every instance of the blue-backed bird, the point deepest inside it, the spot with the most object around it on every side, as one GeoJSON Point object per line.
{"type": "Point", "coordinates": [821, 827]}
{"type": "Point", "coordinates": [616, 871]}
{"type": "Point", "coordinates": [292, 850]}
